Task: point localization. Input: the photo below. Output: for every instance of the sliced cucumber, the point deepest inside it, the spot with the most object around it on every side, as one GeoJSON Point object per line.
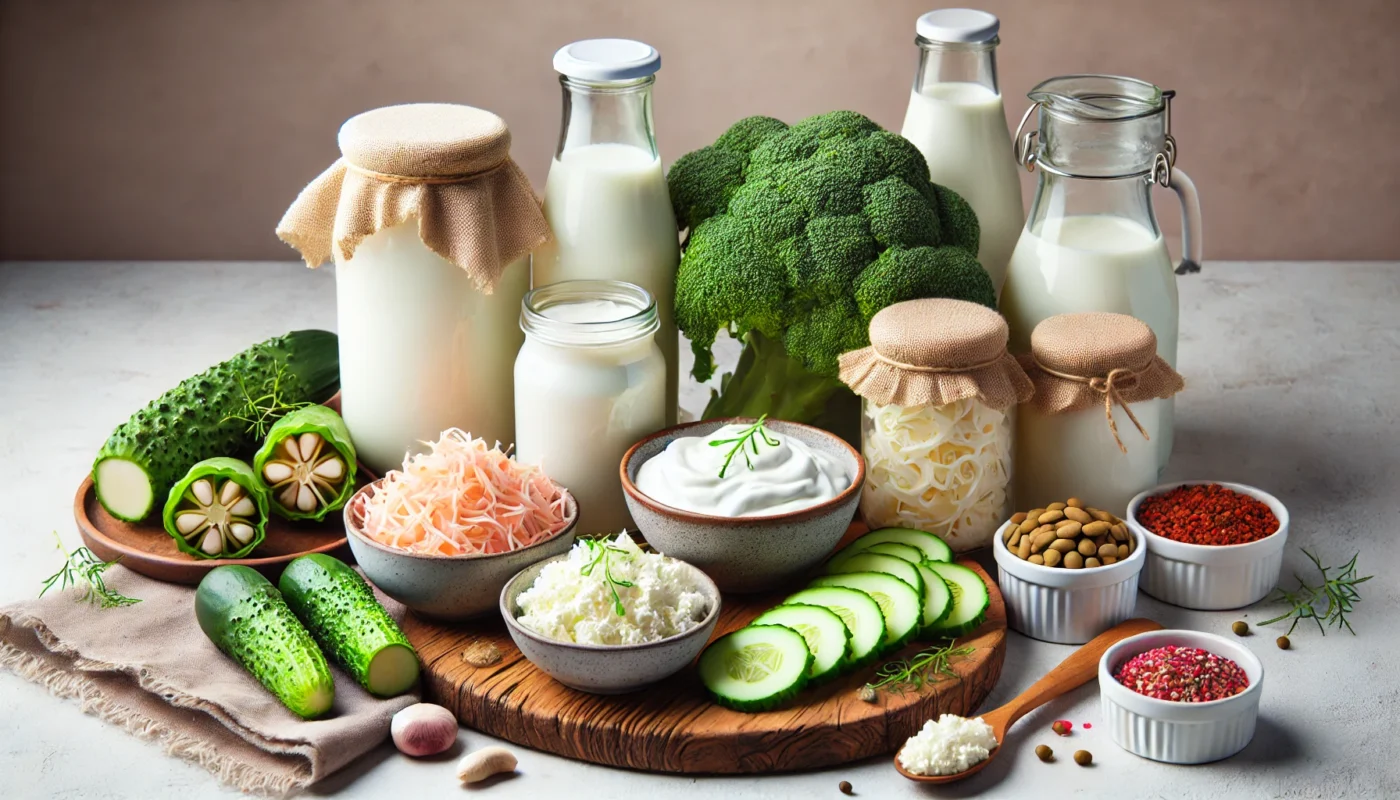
{"type": "Point", "coordinates": [908, 552]}
{"type": "Point", "coordinates": [900, 604]}
{"type": "Point", "coordinates": [938, 600]}
{"type": "Point", "coordinates": [874, 562]}
{"type": "Point", "coordinates": [857, 611]}
{"type": "Point", "coordinates": [970, 601]}
{"type": "Point", "coordinates": [933, 548]}
{"type": "Point", "coordinates": [756, 668]}
{"type": "Point", "coordinates": [826, 635]}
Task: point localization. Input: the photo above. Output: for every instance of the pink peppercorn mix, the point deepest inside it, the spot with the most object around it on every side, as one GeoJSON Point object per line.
{"type": "Point", "coordinates": [1182, 674]}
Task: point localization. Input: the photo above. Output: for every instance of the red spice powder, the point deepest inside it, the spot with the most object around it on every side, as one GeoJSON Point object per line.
{"type": "Point", "coordinates": [1182, 674]}
{"type": "Point", "coordinates": [1207, 513]}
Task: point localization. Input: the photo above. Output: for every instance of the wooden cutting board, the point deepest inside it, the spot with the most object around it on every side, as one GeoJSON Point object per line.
{"type": "Point", "coordinates": [674, 727]}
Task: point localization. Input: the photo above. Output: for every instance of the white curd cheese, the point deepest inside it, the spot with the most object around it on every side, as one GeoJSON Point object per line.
{"type": "Point", "coordinates": [573, 599]}
{"type": "Point", "coordinates": [951, 745]}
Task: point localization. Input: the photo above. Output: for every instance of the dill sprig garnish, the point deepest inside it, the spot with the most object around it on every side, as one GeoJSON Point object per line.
{"type": "Point", "coordinates": [260, 412]}
{"type": "Point", "coordinates": [1339, 592]}
{"type": "Point", "coordinates": [82, 566]}
{"type": "Point", "coordinates": [749, 436]}
{"type": "Point", "coordinates": [601, 553]}
{"type": "Point", "coordinates": [930, 665]}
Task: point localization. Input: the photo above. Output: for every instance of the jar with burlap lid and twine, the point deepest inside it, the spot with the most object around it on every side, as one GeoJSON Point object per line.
{"type": "Point", "coordinates": [938, 392]}
{"type": "Point", "coordinates": [1092, 429]}
{"type": "Point", "coordinates": [430, 224]}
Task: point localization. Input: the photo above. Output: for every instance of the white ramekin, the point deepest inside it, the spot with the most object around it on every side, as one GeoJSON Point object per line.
{"type": "Point", "coordinates": [1211, 577]}
{"type": "Point", "coordinates": [1066, 606]}
{"type": "Point", "coordinates": [1179, 733]}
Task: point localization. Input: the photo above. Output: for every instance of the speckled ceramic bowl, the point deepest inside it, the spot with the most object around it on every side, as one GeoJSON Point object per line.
{"type": "Point", "coordinates": [745, 554]}
{"type": "Point", "coordinates": [602, 669]}
{"type": "Point", "coordinates": [446, 587]}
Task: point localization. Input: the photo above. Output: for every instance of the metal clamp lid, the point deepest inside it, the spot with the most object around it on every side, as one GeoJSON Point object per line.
{"type": "Point", "coordinates": [1160, 172]}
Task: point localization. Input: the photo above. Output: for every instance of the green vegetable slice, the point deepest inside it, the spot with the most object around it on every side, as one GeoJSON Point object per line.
{"type": "Point", "coordinates": [900, 604]}
{"type": "Point", "coordinates": [933, 548]}
{"type": "Point", "coordinates": [218, 510]}
{"type": "Point", "coordinates": [970, 601]}
{"type": "Point", "coordinates": [875, 562]}
{"type": "Point", "coordinates": [308, 463]}
{"type": "Point", "coordinates": [756, 668]}
{"type": "Point", "coordinates": [938, 600]}
{"type": "Point", "coordinates": [857, 611]}
{"type": "Point", "coordinates": [826, 635]}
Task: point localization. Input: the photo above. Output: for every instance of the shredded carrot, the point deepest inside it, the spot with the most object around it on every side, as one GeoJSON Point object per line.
{"type": "Point", "coordinates": [461, 498]}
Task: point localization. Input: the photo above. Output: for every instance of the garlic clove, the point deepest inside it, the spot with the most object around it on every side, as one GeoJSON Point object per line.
{"type": "Point", "coordinates": [203, 492]}
{"type": "Point", "coordinates": [309, 443]}
{"type": "Point", "coordinates": [484, 763]}
{"type": "Point", "coordinates": [212, 544]}
{"type": "Point", "coordinates": [423, 729]}
{"type": "Point", "coordinates": [241, 531]}
{"type": "Point", "coordinates": [189, 522]}
{"type": "Point", "coordinates": [276, 472]}
{"type": "Point", "coordinates": [289, 444]}
{"type": "Point", "coordinates": [230, 492]}
{"type": "Point", "coordinates": [288, 497]}
{"type": "Point", "coordinates": [331, 469]}
{"type": "Point", "coordinates": [243, 508]}
{"type": "Point", "coordinates": [306, 499]}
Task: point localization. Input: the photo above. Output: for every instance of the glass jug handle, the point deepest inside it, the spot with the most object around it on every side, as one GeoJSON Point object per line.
{"type": "Point", "coordinates": [1185, 190]}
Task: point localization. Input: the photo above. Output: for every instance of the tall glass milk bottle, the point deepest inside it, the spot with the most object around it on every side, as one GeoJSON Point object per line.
{"type": "Point", "coordinates": [1091, 242]}
{"type": "Point", "coordinates": [956, 120]}
{"type": "Point", "coordinates": [606, 197]}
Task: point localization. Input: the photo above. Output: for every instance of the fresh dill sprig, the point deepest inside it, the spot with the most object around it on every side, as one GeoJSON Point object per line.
{"type": "Point", "coordinates": [602, 553]}
{"type": "Point", "coordinates": [750, 436]}
{"type": "Point", "coordinates": [1339, 592]}
{"type": "Point", "coordinates": [260, 412]}
{"type": "Point", "coordinates": [82, 566]}
{"type": "Point", "coordinates": [930, 665]}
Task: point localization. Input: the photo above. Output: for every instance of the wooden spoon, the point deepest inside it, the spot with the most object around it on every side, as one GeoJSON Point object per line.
{"type": "Point", "coordinates": [1081, 667]}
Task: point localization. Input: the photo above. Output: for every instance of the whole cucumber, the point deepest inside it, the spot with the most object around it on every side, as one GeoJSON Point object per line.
{"type": "Point", "coordinates": [243, 614]}
{"type": "Point", "coordinates": [342, 613]}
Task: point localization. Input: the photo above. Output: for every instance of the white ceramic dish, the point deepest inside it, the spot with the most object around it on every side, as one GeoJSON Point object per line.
{"type": "Point", "coordinates": [1179, 733]}
{"type": "Point", "coordinates": [1211, 577]}
{"type": "Point", "coordinates": [1066, 606]}
{"type": "Point", "coordinates": [602, 669]}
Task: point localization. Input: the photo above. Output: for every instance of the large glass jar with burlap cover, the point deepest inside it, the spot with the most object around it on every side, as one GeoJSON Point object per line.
{"type": "Point", "coordinates": [938, 390]}
{"type": "Point", "coordinates": [1091, 429]}
{"type": "Point", "coordinates": [430, 224]}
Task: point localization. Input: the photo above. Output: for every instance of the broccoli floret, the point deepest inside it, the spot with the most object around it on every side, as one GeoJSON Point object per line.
{"type": "Point", "coordinates": [797, 236]}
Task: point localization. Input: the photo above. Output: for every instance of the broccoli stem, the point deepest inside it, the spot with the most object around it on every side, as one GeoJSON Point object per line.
{"type": "Point", "coordinates": [767, 381]}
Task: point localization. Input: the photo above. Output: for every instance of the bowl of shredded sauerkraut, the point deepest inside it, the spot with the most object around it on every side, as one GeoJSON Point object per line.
{"type": "Point", "coordinates": [445, 533]}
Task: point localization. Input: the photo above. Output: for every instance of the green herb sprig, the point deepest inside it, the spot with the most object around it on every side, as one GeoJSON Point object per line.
{"type": "Point", "coordinates": [601, 553]}
{"type": "Point", "coordinates": [749, 437]}
{"type": "Point", "coordinates": [930, 665]}
{"type": "Point", "coordinates": [1339, 592]}
{"type": "Point", "coordinates": [82, 566]}
{"type": "Point", "coordinates": [261, 412]}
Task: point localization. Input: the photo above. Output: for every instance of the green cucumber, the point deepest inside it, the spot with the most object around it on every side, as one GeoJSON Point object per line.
{"type": "Point", "coordinates": [197, 420]}
{"type": "Point", "coordinates": [218, 510]}
{"type": "Point", "coordinates": [907, 552]}
{"type": "Point", "coordinates": [874, 562]}
{"type": "Point", "coordinates": [934, 548]}
{"type": "Point", "coordinates": [826, 635]}
{"type": "Point", "coordinates": [307, 463]}
{"type": "Point", "coordinates": [857, 611]}
{"type": "Point", "coordinates": [245, 616]}
{"type": "Point", "coordinates": [756, 668]}
{"type": "Point", "coordinates": [900, 604]}
{"type": "Point", "coordinates": [343, 615]}
{"type": "Point", "coordinates": [938, 600]}
{"type": "Point", "coordinates": [970, 601]}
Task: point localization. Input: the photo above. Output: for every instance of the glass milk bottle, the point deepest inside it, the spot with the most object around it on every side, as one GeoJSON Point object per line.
{"type": "Point", "coordinates": [1090, 429]}
{"type": "Point", "coordinates": [429, 223]}
{"type": "Point", "coordinates": [939, 393]}
{"type": "Point", "coordinates": [606, 196]}
{"type": "Point", "coordinates": [1091, 242]}
{"type": "Point", "coordinates": [956, 120]}
{"type": "Point", "coordinates": [590, 382]}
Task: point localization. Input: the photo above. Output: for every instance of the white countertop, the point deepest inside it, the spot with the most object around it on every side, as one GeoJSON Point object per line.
{"type": "Point", "coordinates": [1293, 376]}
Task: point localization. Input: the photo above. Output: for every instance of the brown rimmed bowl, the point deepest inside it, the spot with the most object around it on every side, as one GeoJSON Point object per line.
{"type": "Point", "coordinates": [745, 554]}
{"type": "Point", "coordinates": [446, 587]}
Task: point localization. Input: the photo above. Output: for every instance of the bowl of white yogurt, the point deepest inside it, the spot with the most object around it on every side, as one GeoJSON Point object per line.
{"type": "Point", "coordinates": [754, 507]}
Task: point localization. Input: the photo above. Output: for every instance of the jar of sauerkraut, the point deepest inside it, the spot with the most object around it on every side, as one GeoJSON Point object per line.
{"type": "Point", "coordinates": [938, 391]}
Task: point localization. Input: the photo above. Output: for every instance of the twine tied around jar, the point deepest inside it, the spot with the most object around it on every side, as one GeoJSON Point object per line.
{"type": "Point", "coordinates": [1108, 387]}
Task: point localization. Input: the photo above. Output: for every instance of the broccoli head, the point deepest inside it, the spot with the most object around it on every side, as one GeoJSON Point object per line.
{"type": "Point", "coordinates": [798, 235]}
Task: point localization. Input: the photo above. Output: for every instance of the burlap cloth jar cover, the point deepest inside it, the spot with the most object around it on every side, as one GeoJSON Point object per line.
{"type": "Point", "coordinates": [1078, 361]}
{"type": "Point", "coordinates": [938, 386]}
{"type": "Point", "coordinates": [448, 166]}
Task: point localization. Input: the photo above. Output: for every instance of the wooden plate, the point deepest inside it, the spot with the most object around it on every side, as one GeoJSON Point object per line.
{"type": "Point", "coordinates": [146, 548]}
{"type": "Point", "coordinates": [674, 727]}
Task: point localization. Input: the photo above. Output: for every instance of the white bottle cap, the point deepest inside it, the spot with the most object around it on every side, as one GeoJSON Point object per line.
{"type": "Point", "coordinates": [607, 60]}
{"type": "Point", "coordinates": [956, 25]}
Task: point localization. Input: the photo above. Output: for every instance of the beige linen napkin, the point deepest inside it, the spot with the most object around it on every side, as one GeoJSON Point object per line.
{"type": "Point", "coordinates": [149, 668]}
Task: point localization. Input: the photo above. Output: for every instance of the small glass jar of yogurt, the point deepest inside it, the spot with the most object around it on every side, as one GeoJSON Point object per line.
{"type": "Point", "coordinates": [590, 381]}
